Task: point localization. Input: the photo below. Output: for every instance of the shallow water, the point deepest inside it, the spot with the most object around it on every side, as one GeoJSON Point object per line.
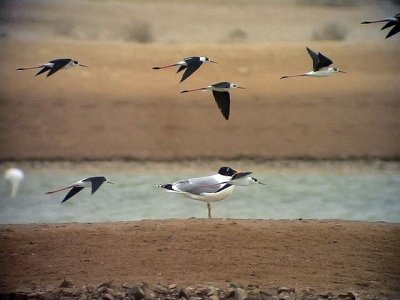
{"type": "Point", "coordinates": [342, 190]}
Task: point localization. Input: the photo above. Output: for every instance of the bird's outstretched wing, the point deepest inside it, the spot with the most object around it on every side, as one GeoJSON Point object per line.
{"type": "Point", "coordinates": [96, 183]}
{"type": "Point", "coordinates": [389, 24]}
{"type": "Point", "coordinates": [72, 192]}
{"type": "Point", "coordinates": [58, 64]}
{"type": "Point", "coordinates": [45, 69]}
{"type": "Point", "coordinates": [393, 31]}
{"type": "Point", "coordinates": [319, 60]}
{"type": "Point", "coordinates": [223, 102]}
{"type": "Point", "coordinates": [181, 68]}
{"type": "Point", "coordinates": [190, 69]}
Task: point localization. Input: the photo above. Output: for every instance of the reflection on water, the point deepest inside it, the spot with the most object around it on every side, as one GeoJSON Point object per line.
{"type": "Point", "coordinates": [328, 190]}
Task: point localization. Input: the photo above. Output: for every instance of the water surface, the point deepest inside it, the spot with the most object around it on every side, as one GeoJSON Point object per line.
{"type": "Point", "coordinates": [368, 191]}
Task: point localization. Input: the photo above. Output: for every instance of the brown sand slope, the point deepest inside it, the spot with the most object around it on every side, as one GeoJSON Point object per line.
{"type": "Point", "coordinates": [324, 255]}
{"type": "Point", "coordinates": [120, 108]}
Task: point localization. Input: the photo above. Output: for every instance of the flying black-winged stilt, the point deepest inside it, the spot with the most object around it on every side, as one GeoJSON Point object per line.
{"type": "Point", "coordinates": [191, 64]}
{"type": "Point", "coordinates": [210, 188]}
{"type": "Point", "coordinates": [91, 182]}
{"type": "Point", "coordinates": [320, 66]}
{"type": "Point", "coordinates": [221, 95]}
{"type": "Point", "coordinates": [14, 176]}
{"type": "Point", "coordinates": [393, 21]}
{"type": "Point", "coordinates": [54, 66]}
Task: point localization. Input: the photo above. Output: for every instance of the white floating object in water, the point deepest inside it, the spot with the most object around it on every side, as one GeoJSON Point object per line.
{"type": "Point", "coordinates": [14, 176]}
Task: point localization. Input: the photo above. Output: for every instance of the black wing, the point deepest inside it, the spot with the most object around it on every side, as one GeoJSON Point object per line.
{"type": "Point", "coordinates": [96, 182]}
{"type": "Point", "coordinates": [389, 24]}
{"type": "Point", "coordinates": [224, 102]}
{"type": "Point", "coordinates": [58, 64]}
{"type": "Point", "coordinates": [191, 68]}
{"type": "Point", "coordinates": [222, 85]}
{"type": "Point", "coordinates": [323, 61]}
{"type": "Point", "coordinates": [72, 192]}
{"type": "Point", "coordinates": [319, 60]}
{"type": "Point", "coordinates": [393, 31]}
{"type": "Point", "coordinates": [45, 69]}
{"type": "Point", "coordinates": [224, 187]}
{"type": "Point", "coordinates": [181, 68]}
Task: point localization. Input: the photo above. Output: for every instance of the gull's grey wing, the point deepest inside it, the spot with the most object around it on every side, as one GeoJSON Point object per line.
{"type": "Point", "coordinates": [72, 192]}
{"type": "Point", "coordinates": [58, 64]}
{"type": "Point", "coordinates": [223, 102]}
{"type": "Point", "coordinates": [191, 68]}
{"type": "Point", "coordinates": [199, 185]}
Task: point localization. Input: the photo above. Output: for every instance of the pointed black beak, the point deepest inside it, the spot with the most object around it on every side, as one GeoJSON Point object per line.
{"type": "Point", "coordinates": [83, 66]}
{"type": "Point", "coordinates": [240, 87]}
{"type": "Point", "coordinates": [214, 62]}
{"type": "Point", "coordinates": [110, 182]}
{"type": "Point", "coordinates": [342, 72]}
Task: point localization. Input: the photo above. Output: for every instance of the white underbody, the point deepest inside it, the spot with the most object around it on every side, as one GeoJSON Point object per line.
{"type": "Point", "coordinates": [82, 183]}
{"type": "Point", "coordinates": [323, 72]}
{"type": "Point", "coordinates": [208, 197]}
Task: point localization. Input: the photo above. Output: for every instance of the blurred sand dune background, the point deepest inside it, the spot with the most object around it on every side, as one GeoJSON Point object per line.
{"type": "Point", "coordinates": [120, 108]}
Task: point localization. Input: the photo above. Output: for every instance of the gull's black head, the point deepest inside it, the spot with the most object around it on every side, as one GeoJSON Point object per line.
{"type": "Point", "coordinates": [227, 171]}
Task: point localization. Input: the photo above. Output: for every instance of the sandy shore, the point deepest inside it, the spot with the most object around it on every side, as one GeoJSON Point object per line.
{"type": "Point", "coordinates": [338, 256]}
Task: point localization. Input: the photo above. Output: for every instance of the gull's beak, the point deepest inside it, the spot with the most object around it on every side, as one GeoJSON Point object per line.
{"type": "Point", "coordinates": [214, 62]}
{"type": "Point", "coordinates": [110, 182]}
{"type": "Point", "coordinates": [238, 175]}
{"type": "Point", "coordinates": [83, 66]}
{"type": "Point", "coordinates": [342, 72]}
{"type": "Point", "coordinates": [259, 182]}
{"type": "Point", "coordinates": [240, 87]}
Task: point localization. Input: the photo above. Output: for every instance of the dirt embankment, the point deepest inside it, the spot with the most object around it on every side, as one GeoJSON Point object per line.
{"type": "Point", "coordinates": [337, 256]}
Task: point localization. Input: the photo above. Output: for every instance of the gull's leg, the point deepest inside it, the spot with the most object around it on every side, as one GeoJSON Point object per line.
{"type": "Point", "coordinates": [209, 210]}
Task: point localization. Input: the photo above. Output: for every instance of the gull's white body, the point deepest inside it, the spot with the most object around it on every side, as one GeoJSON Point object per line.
{"type": "Point", "coordinates": [216, 182]}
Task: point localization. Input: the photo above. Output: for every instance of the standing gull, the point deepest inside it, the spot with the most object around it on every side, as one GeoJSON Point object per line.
{"type": "Point", "coordinates": [191, 64]}
{"type": "Point", "coordinates": [210, 188]}
{"type": "Point", "coordinates": [221, 95]}
{"type": "Point", "coordinates": [320, 66]}
{"type": "Point", "coordinates": [54, 66]}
